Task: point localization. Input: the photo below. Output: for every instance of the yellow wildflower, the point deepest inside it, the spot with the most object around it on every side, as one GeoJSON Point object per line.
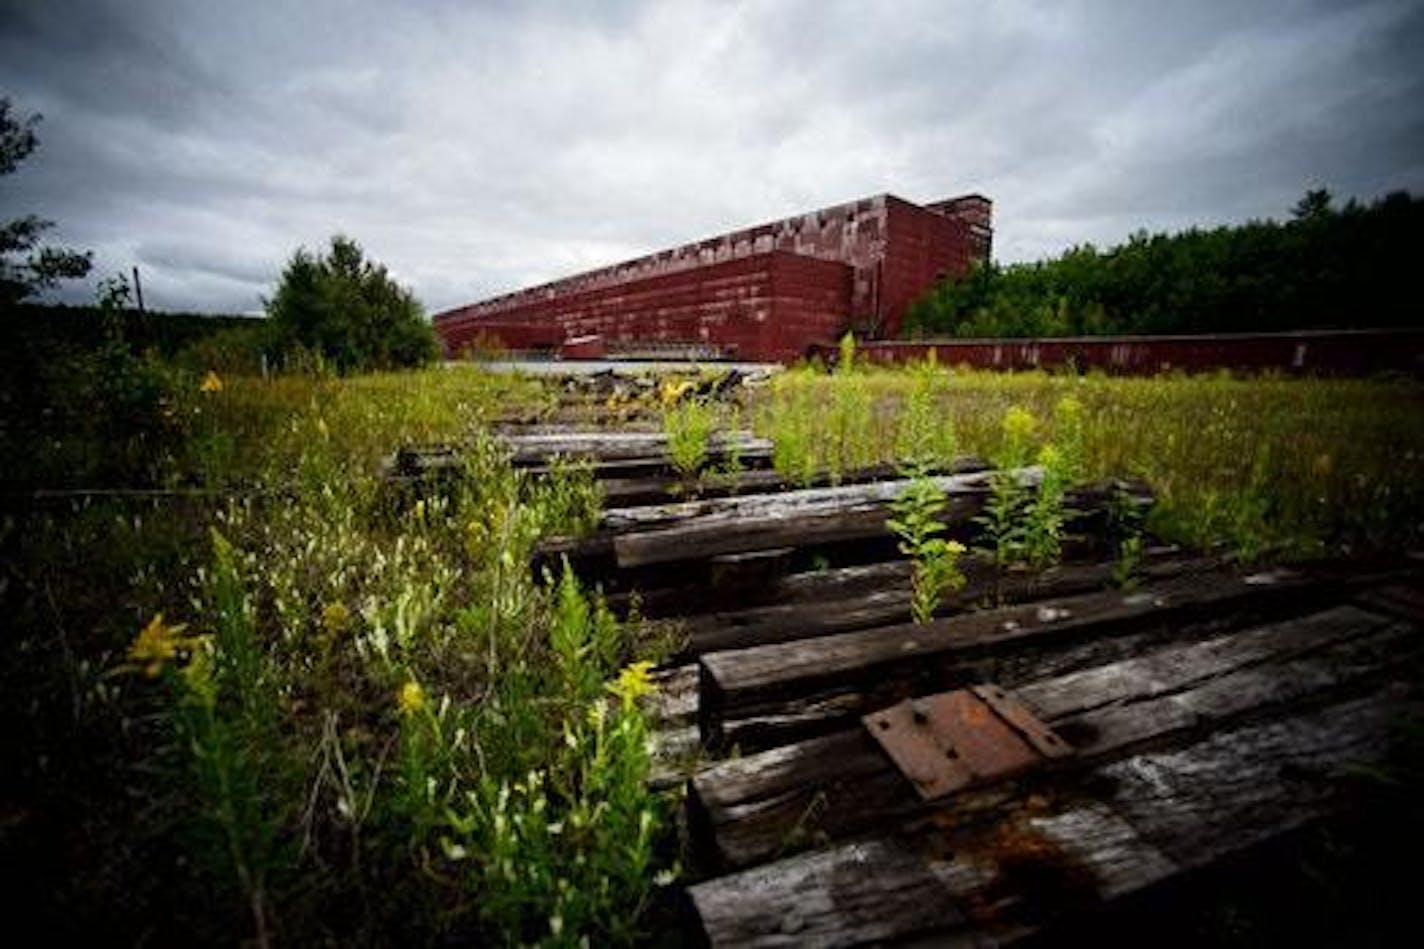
{"type": "Point", "coordinates": [334, 617]}
{"type": "Point", "coordinates": [158, 643]}
{"type": "Point", "coordinates": [211, 383]}
{"type": "Point", "coordinates": [633, 682]}
{"type": "Point", "coordinates": [412, 698]}
{"type": "Point", "coordinates": [673, 390]}
{"type": "Point", "coordinates": [1019, 424]}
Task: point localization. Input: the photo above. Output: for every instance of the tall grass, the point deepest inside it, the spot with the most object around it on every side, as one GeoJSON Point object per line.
{"type": "Point", "coordinates": [1268, 466]}
{"type": "Point", "coordinates": [365, 720]}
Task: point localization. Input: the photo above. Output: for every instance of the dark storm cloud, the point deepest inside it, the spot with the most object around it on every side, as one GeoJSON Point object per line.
{"type": "Point", "coordinates": [477, 147]}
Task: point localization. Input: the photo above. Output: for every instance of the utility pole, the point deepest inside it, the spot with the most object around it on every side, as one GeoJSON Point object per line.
{"type": "Point", "coordinates": [138, 289]}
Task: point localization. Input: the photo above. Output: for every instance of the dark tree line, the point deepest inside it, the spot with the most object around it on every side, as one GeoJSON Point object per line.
{"type": "Point", "coordinates": [1327, 267]}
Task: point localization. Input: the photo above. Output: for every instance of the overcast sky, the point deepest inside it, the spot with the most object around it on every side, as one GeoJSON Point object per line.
{"type": "Point", "coordinates": [478, 147]}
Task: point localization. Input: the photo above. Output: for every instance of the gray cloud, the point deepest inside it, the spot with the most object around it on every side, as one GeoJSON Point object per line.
{"type": "Point", "coordinates": [478, 147]}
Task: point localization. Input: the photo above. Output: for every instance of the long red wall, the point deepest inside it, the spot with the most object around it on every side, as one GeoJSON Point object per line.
{"type": "Point", "coordinates": [766, 306]}
{"type": "Point", "coordinates": [1317, 352]}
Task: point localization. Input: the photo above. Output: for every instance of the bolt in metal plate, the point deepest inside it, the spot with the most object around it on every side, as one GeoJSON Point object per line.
{"type": "Point", "coordinates": [1018, 716]}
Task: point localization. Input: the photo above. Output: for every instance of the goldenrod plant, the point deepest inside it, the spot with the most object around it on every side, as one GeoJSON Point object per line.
{"type": "Point", "coordinates": [1005, 522]}
{"type": "Point", "coordinates": [689, 425]}
{"type": "Point", "coordinates": [934, 559]}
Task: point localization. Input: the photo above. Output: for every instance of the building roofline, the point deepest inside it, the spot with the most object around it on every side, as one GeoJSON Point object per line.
{"type": "Point", "coordinates": [687, 248]}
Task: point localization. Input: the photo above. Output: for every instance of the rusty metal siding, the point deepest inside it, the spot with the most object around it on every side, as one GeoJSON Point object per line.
{"type": "Point", "coordinates": [769, 306]}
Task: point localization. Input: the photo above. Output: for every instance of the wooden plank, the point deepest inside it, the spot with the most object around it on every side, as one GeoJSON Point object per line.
{"type": "Point", "coordinates": [889, 603]}
{"type": "Point", "coordinates": [636, 492]}
{"type": "Point", "coordinates": [609, 454]}
{"type": "Point", "coordinates": [841, 498]}
{"type": "Point", "coordinates": [1033, 860]}
{"type": "Point", "coordinates": [749, 808]}
{"type": "Point", "coordinates": [803, 518]}
{"type": "Point", "coordinates": [674, 699]}
{"type": "Point", "coordinates": [813, 586]}
{"type": "Point", "coordinates": [832, 676]}
{"type": "Point", "coordinates": [1405, 600]}
{"type": "Point", "coordinates": [540, 447]}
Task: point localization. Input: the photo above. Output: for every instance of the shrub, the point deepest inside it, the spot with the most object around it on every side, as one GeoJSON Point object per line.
{"type": "Point", "coordinates": [349, 311]}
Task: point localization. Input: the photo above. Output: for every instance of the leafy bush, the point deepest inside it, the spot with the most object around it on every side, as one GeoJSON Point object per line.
{"type": "Point", "coordinates": [349, 311]}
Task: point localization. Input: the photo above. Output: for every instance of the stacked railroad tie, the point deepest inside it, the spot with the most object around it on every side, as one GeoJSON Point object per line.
{"type": "Point", "coordinates": [1047, 745]}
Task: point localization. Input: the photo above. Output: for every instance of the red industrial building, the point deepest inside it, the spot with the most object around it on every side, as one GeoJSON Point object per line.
{"type": "Point", "coordinates": [770, 292]}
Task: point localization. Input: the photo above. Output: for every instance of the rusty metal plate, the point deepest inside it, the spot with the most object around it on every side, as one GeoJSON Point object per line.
{"type": "Point", "coordinates": [1018, 717]}
{"type": "Point", "coordinates": [944, 742]}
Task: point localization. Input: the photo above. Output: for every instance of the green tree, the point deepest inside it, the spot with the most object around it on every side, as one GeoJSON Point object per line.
{"type": "Point", "coordinates": [26, 266]}
{"type": "Point", "coordinates": [350, 311]}
{"type": "Point", "coordinates": [1325, 267]}
{"type": "Point", "coordinates": [1314, 206]}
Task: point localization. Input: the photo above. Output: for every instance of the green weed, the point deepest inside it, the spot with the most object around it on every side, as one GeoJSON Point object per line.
{"type": "Point", "coordinates": [934, 559]}
{"type": "Point", "coordinates": [689, 425]}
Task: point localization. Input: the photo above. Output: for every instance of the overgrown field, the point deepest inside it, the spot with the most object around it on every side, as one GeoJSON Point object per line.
{"type": "Point", "coordinates": [279, 702]}
{"type": "Point", "coordinates": [1265, 466]}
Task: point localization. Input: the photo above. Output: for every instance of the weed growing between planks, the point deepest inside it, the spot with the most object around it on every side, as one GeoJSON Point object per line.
{"type": "Point", "coordinates": [357, 712]}
{"type": "Point", "coordinates": [925, 442]}
{"type": "Point", "coordinates": [689, 424]}
{"type": "Point", "coordinates": [934, 559]}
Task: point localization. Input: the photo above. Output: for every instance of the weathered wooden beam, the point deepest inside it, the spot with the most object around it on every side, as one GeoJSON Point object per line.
{"type": "Point", "coordinates": [887, 602]}
{"type": "Point", "coordinates": [539, 447]}
{"type": "Point", "coordinates": [748, 809]}
{"type": "Point", "coordinates": [636, 492]}
{"type": "Point", "coordinates": [666, 550]}
{"type": "Point", "coordinates": [817, 516]}
{"type": "Point", "coordinates": [764, 694]}
{"type": "Point", "coordinates": [672, 715]}
{"type": "Point", "coordinates": [609, 453]}
{"type": "Point", "coordinates": [839, 498]}
{"type": "Point", "coordinates": [1016, 864]}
